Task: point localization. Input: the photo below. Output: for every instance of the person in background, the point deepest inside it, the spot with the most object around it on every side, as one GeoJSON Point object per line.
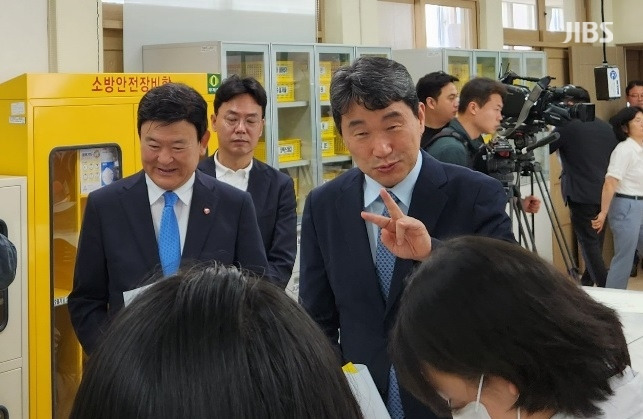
{"type": "Point", "coordinates": [214, 342]}
{"type": "Point", "coordinates": [498, 337]}
{"type": "Point", "coordinates": [634, 93]}
{"type": "Point", "coordinates": [439, 94]}
{"type": "Point", "coordinates": [349, 283]}
{"type": "Point", "coordinates": [479, 112]}
{"type": "Point", "coordinates": [164, 215]}
{"type": "Point", "coordinates": [238, 120]}
{"type": "Point", "coordinates": [584, 148]}
{"type": "Point", "coordinates": [622, 195]}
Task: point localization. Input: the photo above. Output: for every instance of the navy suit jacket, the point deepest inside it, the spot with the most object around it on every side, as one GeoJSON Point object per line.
{"type": "Point", "coordinates": [273, 195]}
{"type": "Point", "coordinates": [118, 251]}
{"type": "Point", "coordinates": [338, 283]}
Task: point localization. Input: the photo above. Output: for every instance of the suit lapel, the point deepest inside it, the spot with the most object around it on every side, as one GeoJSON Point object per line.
{"type": "Point", "coordinates": [427, 203]}
{"type": "Point", "coordinates": [258, 186]}
{"type": "Point", "coordinates": [203, 211]}
{"type": "Point", "coordinates": [136, 204]}
{"type": "Point", "coordinates": [349, 205]}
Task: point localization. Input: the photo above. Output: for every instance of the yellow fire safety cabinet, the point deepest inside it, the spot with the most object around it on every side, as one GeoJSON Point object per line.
{"type": "Point", "coordinates": [68, 134]}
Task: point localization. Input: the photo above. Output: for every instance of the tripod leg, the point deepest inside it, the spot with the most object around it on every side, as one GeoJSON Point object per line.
{"type": "Point", "coordinates": [525, 229]}
{"type": "Point", "coordinates": [570, 264]}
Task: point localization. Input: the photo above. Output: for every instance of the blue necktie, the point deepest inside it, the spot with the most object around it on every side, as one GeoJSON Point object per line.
{"type": "Point", "coordinates": [385, 263]}
{"type": "Point", "coordinates": [169, 237]}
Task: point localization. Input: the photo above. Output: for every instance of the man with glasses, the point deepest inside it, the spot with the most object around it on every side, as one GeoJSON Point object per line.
{"type": "Point", "coordinates": [634, 93]}
{"type": "Point", "coordinates": [238, 120]}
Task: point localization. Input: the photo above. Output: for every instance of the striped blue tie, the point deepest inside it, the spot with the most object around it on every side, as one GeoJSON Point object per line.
{"type": "Point", "coordinates": [169, 237]}
{"type": "Point", "coordinates": [385, 263]}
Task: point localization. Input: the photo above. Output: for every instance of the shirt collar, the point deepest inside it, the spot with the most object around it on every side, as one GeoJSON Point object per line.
{"type": "Point", "coordinates": [184, 192]}
{"type": "Point", "coordinates": [403, 190]}
{"type": "Point", "coordinates": [222, 170]}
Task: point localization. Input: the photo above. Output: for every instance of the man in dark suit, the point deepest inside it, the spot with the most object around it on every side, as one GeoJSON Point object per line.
{"type": "Point", "coordinates": [346, 283]}
{"type": "Point", "coordinates": [119, 246]}
{"type": "Point", "coordinates": [584, 149]}
{"type": "Point", "coordinates": [238, 120]}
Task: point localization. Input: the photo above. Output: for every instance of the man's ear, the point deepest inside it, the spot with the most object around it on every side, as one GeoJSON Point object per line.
{"type": "Point", "coordinates": [213, 119]}
{"type": "Point", "coordinates": [430, 102]}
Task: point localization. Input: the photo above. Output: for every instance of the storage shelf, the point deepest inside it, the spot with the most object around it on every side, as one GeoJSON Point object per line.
{"type": "Point", "coordinates": [336, 159]}
{"type": "Point", "coordinates": [324, 102]}
{"type": "Point", "coordinates": [60, 296]}
{"type": "Point", "coordinates": [294, 104]}
{"type": "Point", "coordinates": [295, 163]}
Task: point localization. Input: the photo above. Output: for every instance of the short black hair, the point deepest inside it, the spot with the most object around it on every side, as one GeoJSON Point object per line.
{"type": "Point", "coordinates": [373, 82]}
{"type": "Point", "coordinates": [621, 119]}
{"type": "Point", "coordinates": [214, 341]}
{"type": "Point", "coordinates": [631, 85]}
{"type": "Point", "coordinates": [430, 85]}
{"type": "Point", "coordinates": [479, 90]}
{"type": "Point", "coordinates": [484, 306]}
{"type": "Point", "coordinates": [174, 102]}
{"type": "Point", "coordinates": [235, 86]}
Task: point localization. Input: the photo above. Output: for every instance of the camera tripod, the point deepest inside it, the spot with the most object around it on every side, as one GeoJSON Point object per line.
{"type": "Point", "coordinates": [526, 233]}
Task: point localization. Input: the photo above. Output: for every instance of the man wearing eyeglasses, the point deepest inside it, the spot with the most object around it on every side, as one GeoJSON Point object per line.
{"type": "Point", "coordinates": [634, 93]}
{"type": "Point", "coordinates": [238, 120]}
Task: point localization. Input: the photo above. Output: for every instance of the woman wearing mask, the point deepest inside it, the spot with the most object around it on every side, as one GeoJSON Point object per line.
{"type": "Point", "coordinates": [506, 335]}
{"type": "Point", "coordinates": [622, 196]}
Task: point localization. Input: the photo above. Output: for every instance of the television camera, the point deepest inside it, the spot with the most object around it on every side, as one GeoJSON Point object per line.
{"type": "Point", "coordinates": [509, 155]}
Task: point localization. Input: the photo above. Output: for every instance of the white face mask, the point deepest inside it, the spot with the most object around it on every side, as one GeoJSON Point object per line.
{"type": "Point", "coordinates": [475, 410]}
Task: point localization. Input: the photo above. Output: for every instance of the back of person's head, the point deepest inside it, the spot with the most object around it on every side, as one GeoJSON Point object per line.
{"type": "Point", "coordinates": [483, 306]}
{"type": "Point", "coordinates": [632, 84]}
{"type": "Point", "coordinates": [622, 118]}
{"type": "Point", "coordinates": [430, 85]}
{"type": "Point", "coordinates": [174, 102]}
{"type": "Point", "coordinates": [479, 90]}
{"type": "Point", "coordinates": [214, 342]}
{"type": "Point", "coordinates": [372, 82]}
{"type": "Point", "coordinates": [234, 86]}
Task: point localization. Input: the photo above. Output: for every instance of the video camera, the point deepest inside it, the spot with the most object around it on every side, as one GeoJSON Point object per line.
{"type": "Point", "coordinates": [527, 112]}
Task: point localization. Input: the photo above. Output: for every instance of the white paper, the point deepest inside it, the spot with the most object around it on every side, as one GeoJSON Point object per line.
{"type": "Point", "coordinates": [366, 394]}
{"type": "Point", "coordinates": [17, 108]}
{"type": "Point", "coordinates": [128, 296]}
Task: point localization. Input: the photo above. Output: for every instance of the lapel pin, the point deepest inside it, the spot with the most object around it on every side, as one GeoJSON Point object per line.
{"type": "Point", "coordinates": [206, 211]}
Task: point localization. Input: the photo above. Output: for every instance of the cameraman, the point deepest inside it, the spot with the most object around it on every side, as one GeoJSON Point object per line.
{"type": "Point", "coordinates": [479, 112]}
{"type": "Point", "coordinates": [584, 149]}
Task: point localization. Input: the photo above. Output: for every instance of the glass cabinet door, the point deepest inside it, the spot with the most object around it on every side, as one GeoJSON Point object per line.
{"type": "Point", "coordinates": [74, 173]}
{"type": "Point", "coordinates": [459, 64]}
{"type": "Point", "coordinates": [293, 97]}
{"type": "Point", "coordinates": [373, 51]}
{"type": "Point", "coordinates": [486, 64]}
{"type": "Point", "coordinates": [511, 61]}
{"type": "Point", "coordinates": [251, 60]}
{"type": "Point", "coordinates": [335, 158]}
{"type": "Point", "coordinates": [535, 64]}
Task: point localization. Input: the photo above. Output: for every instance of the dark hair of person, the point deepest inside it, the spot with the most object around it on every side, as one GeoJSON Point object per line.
{"type": "Point", "coordinates": [479, 90]}
{"type": "Point", "coordinates": [622, 118]}
{"type": "Point", "coordinates": [631, 85]}
{"type": "Point", "coordinates": [235, 86]}
{"type": "Point", "coordinates": [430, 85]}
{"type": "Point", "coordinates": [372, 82]}
{"type": "Point", "coordinates": [174, 102]}
{"type": "Point", "coordinates": [484, 306]}
{"type": "Point", "coordinates": [214, 341]}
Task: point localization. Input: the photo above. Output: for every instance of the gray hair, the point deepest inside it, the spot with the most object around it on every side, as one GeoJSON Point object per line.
{"type": "Point", "coordinates": [373, 82]}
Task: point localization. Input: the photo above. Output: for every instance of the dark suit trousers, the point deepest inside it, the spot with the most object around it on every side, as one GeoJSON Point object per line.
{"type": "Point", "coordinates": [591, 242]}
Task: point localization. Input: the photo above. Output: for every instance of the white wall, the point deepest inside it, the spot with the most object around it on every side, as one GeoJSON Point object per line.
{"type": "Point", "coordinates": [628, 15]}
{"type": "Point", "coordinates": [77, 37]}
{"type": "Point", "coordinates": [23, 31]}
{"type": "Point", "coordinates": [147, 24]}
{"type": "Point", "coordinates": [353, 22]}
{"type": "Point", "coordinates": [491, 30]}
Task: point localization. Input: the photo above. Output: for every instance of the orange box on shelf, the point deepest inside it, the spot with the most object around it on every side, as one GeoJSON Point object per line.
{"type": "Point", "coordinates": [285, 71]}
{"type": "Point", "coordinates": [289, 149]}
{"type": "Point", "coordinates": [286, 91]}
{"type": "Point", "coordinates": [340, 147]}
{"type": "Point", "coordinates": [260, 152]}
{"type": "Point", "coordinates": [325, 71]}
{"type": "Point", "coordinates": [327, 126]}
{"type": "Point", "coordinates": [328, 146]}
{"type": "Point", "coordinates": [324, 91]}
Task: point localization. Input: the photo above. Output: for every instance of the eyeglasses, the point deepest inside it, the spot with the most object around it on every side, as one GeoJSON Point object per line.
{"type": "Point", "coordinates": [250, 122]}
{"type": "Point", "coordinates": [633, 96]}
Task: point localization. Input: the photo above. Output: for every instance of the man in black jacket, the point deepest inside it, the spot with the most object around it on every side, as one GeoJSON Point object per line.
{"type": "Point", "coordinates": [584, 149]}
